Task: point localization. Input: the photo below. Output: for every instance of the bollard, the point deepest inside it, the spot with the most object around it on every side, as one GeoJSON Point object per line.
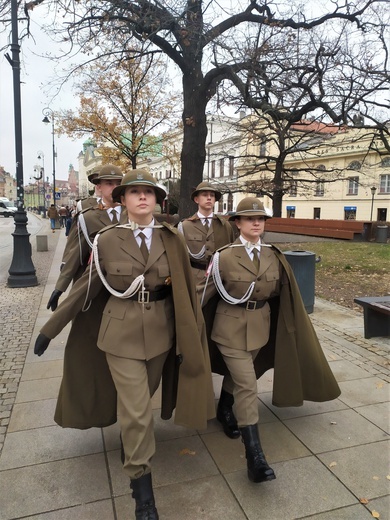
{"type": "Point", "coordinates": [42, 243]}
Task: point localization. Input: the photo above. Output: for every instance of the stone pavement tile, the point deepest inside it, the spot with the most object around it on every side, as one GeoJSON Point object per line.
{"type": "Point", "coordinates": [381, 506]}
{"type": "Point", "coordinates": [266, 382]}
{"type": "Point", "coordinates": [37, 390]}
{"type": "Point", "coordinates": [362, 469]}
{"type": "Point", "coordinates": [377, 414]}
{"type": "Point", "coordinates": [203, 499]}
{"type": "Point", "coordinates": [47, 444]}
{"type": "Point", "coordinates": [100, 510]}
{"type": "Point", "coordinates": [369, 390]}
{"type": "Point", "coordinates": [42, 370]}
{"type": "Point", "coordinates": [37, 414]}
{"type": "Point", "coordinates": [344, 370]}
{"type": "Point", "coordinates": [308, 407]}
{"type": "Point", "coordinates": [334, 430]}
{"type": "Point", "coordinates": [54, 352]}
{"type": "Point", "coordinates": [302, 487]}
{"type": "Point", "coordinates": [175, 461]}
{"type": "Point", "coordinates": [329, 353]}
{"type": "Point", "coordinates": [47, 487]}
{"type": "Point", "coordinates": [357, 512]}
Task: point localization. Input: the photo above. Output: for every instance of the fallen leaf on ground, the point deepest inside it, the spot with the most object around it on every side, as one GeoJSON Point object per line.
{"type": "Point", "coordinates": [332, 464]}
{"type": "Point", "coordinates": [375, 478]}
{"type": "Point", "coordinates": [363, 500]}
{"type": "Point", "coordinates": [375, 514]}
{"type": "Point", "coordinates": [186, 451]}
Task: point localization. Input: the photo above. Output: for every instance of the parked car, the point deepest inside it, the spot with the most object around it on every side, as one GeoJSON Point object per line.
{"type": "Point", "coordinates": [6, 207]}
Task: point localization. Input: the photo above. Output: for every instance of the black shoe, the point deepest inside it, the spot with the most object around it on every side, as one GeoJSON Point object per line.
{"type": "Point", "coordinates": [225, 415]}
{"type": "Point", "coordinates": [145, 508]}
{"type": "Point", "coordinates": [258, 468]}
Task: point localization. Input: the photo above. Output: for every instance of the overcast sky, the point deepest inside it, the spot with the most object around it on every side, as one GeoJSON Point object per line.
{"type": "Point", "coordinates": [36, 72]}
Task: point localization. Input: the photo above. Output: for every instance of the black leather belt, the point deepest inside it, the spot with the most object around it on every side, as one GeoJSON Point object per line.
{"type": "Point", "coordinates": [252, 305]}
{"type": "Point", "coordinates": [150, 296]}
{"type": "Point", "coordinates": [198, 265]}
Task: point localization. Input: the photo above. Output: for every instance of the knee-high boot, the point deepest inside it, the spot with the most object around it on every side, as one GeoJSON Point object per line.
{"type": "Point", "coordinates": [226, 416]}
{"type": "Point", "coordinates": [258, 469]}
{"type": "Point", "coordinates": [145, 508]}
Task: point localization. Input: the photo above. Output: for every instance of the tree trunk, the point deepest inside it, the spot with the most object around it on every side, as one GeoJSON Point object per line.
{"type": "Point", "coordinates": [193, 153]}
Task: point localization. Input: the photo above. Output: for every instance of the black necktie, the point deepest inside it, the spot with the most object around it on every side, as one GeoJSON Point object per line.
{"type": "Point", "coordinates": [143, 247]}
{"type": "Point", "coordinates": [206, 224]}
{"type": "Point", "coordinates": [256, 258]}
{"type": "Point", "coordinates": [114, 219]}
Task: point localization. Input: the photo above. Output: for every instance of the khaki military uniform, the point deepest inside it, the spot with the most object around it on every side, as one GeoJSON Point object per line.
{"type": "Point", "coordinates": [137, 338]}
{"type": "Point", "coordinates": [81, 350]}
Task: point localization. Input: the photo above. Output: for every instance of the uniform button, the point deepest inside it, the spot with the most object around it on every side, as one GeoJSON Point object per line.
{"type": "Point", "coordinates": [148, 307]}
{"type": "Point", "coordinates": [118, 271]}
{"type": "Point", "coordinates": [257, 290]}
{"type": "Point", "coordinates": [109, 312]}
{"type": "Point", "coordinates": [258, 278]}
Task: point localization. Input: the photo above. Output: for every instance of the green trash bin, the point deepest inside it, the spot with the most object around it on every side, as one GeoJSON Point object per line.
{"type": "Point", "coordinates": [303, 266]}
{"type": "Point", "coordinates": [381, 234]}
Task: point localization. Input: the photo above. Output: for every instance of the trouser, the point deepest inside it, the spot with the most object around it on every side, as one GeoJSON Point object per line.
{"type": "Point", "coordinates": [136, 381]}
{"type": "Point", "coordinates": [242, 372]}
{"type": "Point", "coordinates": [53, 223]}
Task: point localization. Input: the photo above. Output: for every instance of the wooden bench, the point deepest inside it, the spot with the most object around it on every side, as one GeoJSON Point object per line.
{"type": "Point", "coordinates": [376, 315]}
{"type": "Point", "coordinates": [344, 229]}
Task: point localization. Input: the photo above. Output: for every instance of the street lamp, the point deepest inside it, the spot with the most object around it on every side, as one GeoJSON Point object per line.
{"type": "Point", "coordinates": [49, 117]}
{"type": "Point", "coordinates": [373, 191]}
{"type": "Point", "coordinates": [41, 155]}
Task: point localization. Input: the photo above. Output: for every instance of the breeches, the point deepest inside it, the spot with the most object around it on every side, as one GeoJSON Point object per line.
{"type": "Point", "coordinates": [136, 381]}
{"type": "Point", "coordinates": [242, 371]}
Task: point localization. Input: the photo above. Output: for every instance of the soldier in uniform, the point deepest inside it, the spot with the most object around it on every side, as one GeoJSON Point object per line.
{"type": "Point", "coordinates": [247, 276]}
{"type": "Point", "coordinates": [152, 320]}
{"type": "Point", "coordinates": [82, 350]}
{"type": "Point", "coordinates": [205, 232]}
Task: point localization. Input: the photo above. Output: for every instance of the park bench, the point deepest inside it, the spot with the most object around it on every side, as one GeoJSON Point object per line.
{"type": "Point", "coordinates": [376, 315]}
{"type": "Point", "coordinates": [344, 229]}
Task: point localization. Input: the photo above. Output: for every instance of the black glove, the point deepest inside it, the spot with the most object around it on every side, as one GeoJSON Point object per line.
{"type": "Point", "coordinates": [53, 300]}
{"type": "Point", "coordinates": [41, 344]}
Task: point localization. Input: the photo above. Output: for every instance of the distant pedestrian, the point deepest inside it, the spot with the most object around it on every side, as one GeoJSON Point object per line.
{"type": "Point", "coordinates": [68, 221]}
{"type": "Point", "coordinates": [62, 212]}
{"type": "Point", "coordinates": [52, 213]}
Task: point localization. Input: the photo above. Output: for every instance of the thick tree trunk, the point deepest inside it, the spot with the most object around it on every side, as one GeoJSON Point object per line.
{"type": "Point", "coordinates": [193, 153]}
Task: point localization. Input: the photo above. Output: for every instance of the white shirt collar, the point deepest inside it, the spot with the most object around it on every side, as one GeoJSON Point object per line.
{"type": "Point", "coordinates": [147, 231]}
{"type": "Point", "coordinates": [203, 217]}
{"type": "Point", "coordinates": [250, 245]}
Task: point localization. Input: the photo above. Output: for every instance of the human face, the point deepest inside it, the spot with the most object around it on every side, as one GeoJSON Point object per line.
{"type": "Point", "coordinates": [205, 201]}
{"type": "Point", "coordinates": [140, 202]}
{"type": "Point", "coordinates": [251, 228]}
{"type": "Point", "coordinates": [105, 188]}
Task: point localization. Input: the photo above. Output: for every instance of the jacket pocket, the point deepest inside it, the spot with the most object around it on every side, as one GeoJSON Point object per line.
{"type": "Point", "coordinates": [119, 268]}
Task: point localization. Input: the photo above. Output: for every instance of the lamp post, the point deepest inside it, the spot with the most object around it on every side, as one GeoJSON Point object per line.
{"type": "Point", "coordinates": [22, 270]}
{"type": "Point", "coordinates": [49, 117]}
{"type": "Point", "coordinates": [41, 155]}
{"type": "Point", "coordinates": [373, 191]}
{"type": "Point", "coordinates": [209, 146]}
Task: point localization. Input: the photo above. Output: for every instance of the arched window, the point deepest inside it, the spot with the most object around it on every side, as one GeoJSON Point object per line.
{"type": "Point", "coordinates": [355, 165]}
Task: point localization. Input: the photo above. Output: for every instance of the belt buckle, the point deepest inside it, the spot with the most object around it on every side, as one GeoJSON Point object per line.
{"type": "Point", "coordinates": [251, 305]}
{"type": "Point", "coordinates": [143, 296]}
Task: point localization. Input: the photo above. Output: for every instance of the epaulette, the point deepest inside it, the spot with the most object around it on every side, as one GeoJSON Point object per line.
{"type": "Point", "coordinates": [169, 226]}
{"type": "Point", "coordinates": [226, 246]}
{"type": "Point", "coordinates": [103, 230]}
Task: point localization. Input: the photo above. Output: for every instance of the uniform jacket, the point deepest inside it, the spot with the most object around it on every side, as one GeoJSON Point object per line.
{"type": "Point", "coordinates": [235, 326]}
{"type": "Point", "coordinates": [187, 386]}
{"type": "Point", "coordinates": [77, 250]}
{"type": "Point", "coordinates": [196, 235]}
{"type": "Point", "coordinates": [301, 371]}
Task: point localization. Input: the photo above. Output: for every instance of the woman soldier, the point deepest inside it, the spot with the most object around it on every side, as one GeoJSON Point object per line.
{"type": "Point", "coordinates": [151, 321]}
{"type": "Point", "coordinates": [248, 276]}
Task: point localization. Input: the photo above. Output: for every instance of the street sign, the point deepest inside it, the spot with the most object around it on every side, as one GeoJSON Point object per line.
{"type": "Point", "coordinates": [58, 196]}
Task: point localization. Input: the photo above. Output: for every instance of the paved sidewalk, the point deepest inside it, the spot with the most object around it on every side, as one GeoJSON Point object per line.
{"type": "Point", "coordinates": [331, 459]}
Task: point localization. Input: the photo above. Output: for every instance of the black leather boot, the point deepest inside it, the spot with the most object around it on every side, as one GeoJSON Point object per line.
{"type": "Point", "coordinates": [258, 469]}
{"type": "Point", "coordinates": [145, 508]}
{"type": "Point", "coordinates": [225, 415]}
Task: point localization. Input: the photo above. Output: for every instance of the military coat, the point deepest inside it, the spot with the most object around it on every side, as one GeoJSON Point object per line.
{"type": "Point", "coordinates": [301, 371]}
{"type": "Point", "coordinates": [187, 384]}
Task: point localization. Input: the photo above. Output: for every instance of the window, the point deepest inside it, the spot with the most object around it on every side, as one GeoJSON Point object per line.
{"type": "Point", "coordinates": [290, 211]}
{"type": "Point", "coordinates": [319, 189]}
{"type": "Point", "coordinates": [231, 166]}
{"type": "Point", "coordinates": [230, 202]}
{"type": "Point", "coordinates": [355, 165]}
{"type": "Point", "coordinates": [293, 189]}
{"type": "Point", "coordinates": [263, 146]}
{"type": "Point", "coordinates": [353, 186]}
{"type": "Point", "coordinates": [350, 212]}
{"type": "Point", "coordinates": [384, 183]}
{"type": "Point", "coordinates": [220, 205]}
{"type": "Point", "coordinates": [222, 167]}
{"type": "Point", "coordinates": [317, 213]}
{"type": "Point", "coordinates": [212, 169]}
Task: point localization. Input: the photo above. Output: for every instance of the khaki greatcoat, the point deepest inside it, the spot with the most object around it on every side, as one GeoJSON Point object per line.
{"type": "Point", "coordinates": [186, 386]}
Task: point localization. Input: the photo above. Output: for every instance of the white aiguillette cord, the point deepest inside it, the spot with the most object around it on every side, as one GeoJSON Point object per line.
{"type": "Point", "coordinates": [136, 286]}
{"type": "Point", "coordinates": [214, 271]}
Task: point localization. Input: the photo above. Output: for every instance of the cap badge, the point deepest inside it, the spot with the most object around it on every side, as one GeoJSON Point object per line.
{"type": "Point", "coordinates": [140, 176]}
{"type": "Point", "coordinates": [255, 205]}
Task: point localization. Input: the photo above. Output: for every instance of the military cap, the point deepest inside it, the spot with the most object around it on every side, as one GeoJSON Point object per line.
{"type": "Point", "coordinates": [250, 207]}
{"type": "Point", "coordinates": [206, 186]}
{"type": "Point", "coordinates": [108, 171]}
{"type": "Point", "coordinates": [138, 178]}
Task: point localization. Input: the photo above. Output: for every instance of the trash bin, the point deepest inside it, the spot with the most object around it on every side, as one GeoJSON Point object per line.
{"type": "Point", "coordinates": [381, 234]}
{"type": "Point", "coordinates": [303, 266]}
{"type": "Point", "coordinates": [42, 243]}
